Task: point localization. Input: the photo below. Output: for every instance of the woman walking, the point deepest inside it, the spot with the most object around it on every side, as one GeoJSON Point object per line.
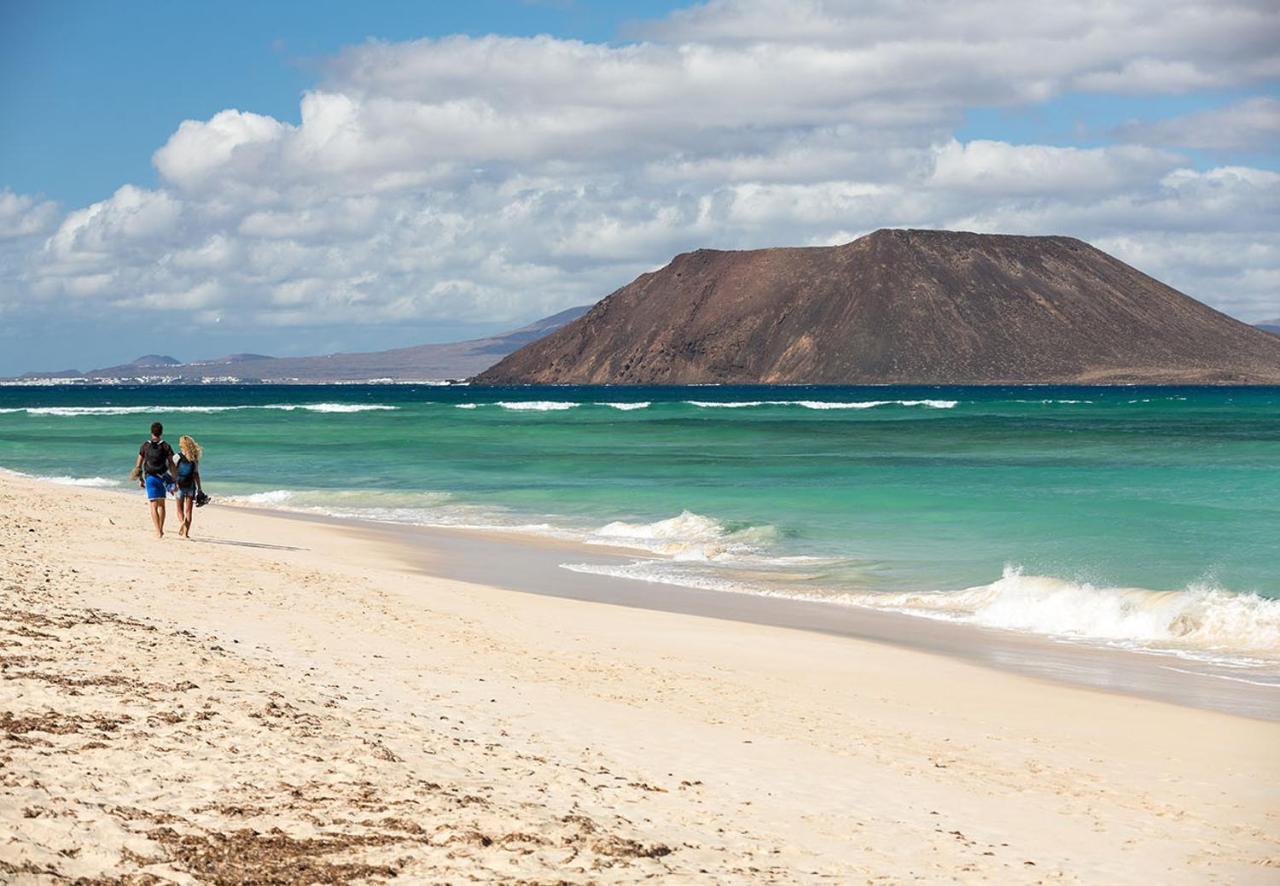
{"type": "Point", "coordinates": [188, 482]}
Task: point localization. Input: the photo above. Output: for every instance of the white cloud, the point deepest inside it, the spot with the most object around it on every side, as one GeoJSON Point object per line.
{"type": "Point", "coordinates": [1251, 124]}
{"type": "Point", "coordinates": [1135, 46]}
{"type": "Point", "coordinates": [230, 139]}
{"type": "Point", "coordinates": [1004, 169]}
{"type": "Point", "coordinates": [130, 215]}
{"type": "Point", "coordinates": [493, 178]}
{"type": "Point", "coordinates": [22, 215]}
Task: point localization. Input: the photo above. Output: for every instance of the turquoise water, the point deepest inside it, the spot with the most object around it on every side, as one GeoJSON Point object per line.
{"type": "Point", "coordinates": [1134, 516]}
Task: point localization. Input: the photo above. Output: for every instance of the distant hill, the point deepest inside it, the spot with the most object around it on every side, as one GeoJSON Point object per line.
{"type": "Point", "coordinates": [237, 358]}
{"type": "Point", "coordinates": [899, 306]}
{"type": "Point", "coordinates": [1272, 326]}
{"type": "Point", "coordinates": [454, 360]}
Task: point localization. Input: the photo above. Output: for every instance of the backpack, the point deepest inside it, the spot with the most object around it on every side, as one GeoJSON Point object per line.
{"type": "Point", "coordinates": [154, 460]}
{"type": "Point", "coordinates": [186, 472]}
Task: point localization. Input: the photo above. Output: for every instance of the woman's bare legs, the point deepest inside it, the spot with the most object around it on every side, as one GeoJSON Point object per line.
{"type": "Point", "coordinates": [185, 506]}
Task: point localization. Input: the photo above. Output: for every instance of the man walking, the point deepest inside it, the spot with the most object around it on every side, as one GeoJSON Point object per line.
{"type": "Point", "coordinates": [155, 457]}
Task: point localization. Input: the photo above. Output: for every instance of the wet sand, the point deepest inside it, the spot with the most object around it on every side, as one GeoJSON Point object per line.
{"type": "Point", "coordinates": [301, 701]}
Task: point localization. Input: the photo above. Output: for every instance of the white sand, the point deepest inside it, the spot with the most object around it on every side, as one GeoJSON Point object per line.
{"type": "Point", "coordinates": [316, 712]}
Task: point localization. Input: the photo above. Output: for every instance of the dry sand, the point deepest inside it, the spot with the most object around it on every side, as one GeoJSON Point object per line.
{"type": "Point", "coordinates": [288, 702]}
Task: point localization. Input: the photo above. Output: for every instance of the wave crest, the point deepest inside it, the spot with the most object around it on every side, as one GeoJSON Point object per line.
{"type": "Point", "coordinates": [687, 536]}
{"type": "Point", "coordinates": [78, 411]}
{"type": "Point", "coordinates": [821, 404]}
{"type": "Point", "coordinates": [93, 482]}
{"type": "Point", "coordinates": [1199, 617]}
{"type": "Point", "coordinates": [536, 405]}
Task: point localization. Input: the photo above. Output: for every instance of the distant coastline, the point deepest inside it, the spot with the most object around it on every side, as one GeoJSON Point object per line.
{"type": "Point", "coordinates": [444, 363]}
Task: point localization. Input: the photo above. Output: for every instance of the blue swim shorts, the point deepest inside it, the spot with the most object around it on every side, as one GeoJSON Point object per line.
{"type": "Point", "coordinates": [155, 488]}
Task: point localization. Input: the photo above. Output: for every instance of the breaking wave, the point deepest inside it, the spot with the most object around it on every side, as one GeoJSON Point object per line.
{"type": "Point", "coordinates": [821, 404]}
{"type": "Point", "coordinates": [536, 405]}
{"type": "Point", "coordinates": [266, 499]}
{"type": "Point", "coordinates": [339, 407]}
{"type": "Point", "coordinates": [77, 411]}
{"type": "Point", "coordinates": [98, 482]}
{"type": "Point", "coordinates": [551, 405]}
{"type": "Point", "coordinates": [65, 480]}
{"type": "Point", "coordinates": [688, 536]}
{"type": "Point", "coordinates": [1200, 617]}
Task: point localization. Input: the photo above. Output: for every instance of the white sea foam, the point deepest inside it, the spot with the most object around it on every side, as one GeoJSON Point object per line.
{"type": "Point", "coordinates": [822, 404]}
{"type": "Point", "coordinates": [687, 536]}
{"type": "Point", "coordinates": [1270, 684]}
{"type": "Point", "coordinates": [1052, 402]}
{"type": "Point", "coordinates": [560, 405]}
{"type": "Point", "coordinates": [98, 482]}
{"type": "Point", "coordinates": [536, 405]}
{"type": "Point", "coordinates": [269, 498]}
{"type": "Point", "coordinates": [65, 480]}
{"type": "Point", "coordinates": [77, 411]}
{"type": "Point", "coordinates": [1198, 617]}
{"type": "Point", "coordinates": [871, 404]}
{"type": "Point", "coordinates": [656, 572]}
{"type": "Point", "coordinates": [1207, 624]}
{"type": "Point", "coordinates": [339, 407]}
{"type": "Point", "coordinates": [435, 509]}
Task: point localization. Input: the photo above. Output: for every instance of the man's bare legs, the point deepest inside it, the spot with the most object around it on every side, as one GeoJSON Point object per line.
{"type": "Point", "coordinates": [157, 516]}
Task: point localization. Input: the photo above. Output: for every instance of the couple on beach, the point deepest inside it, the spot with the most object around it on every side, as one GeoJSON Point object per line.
{"type": "Point", "coordinates": [160, 471]}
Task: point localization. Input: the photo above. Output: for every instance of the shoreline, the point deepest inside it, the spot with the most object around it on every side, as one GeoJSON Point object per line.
{"type": "Point", "coordinates": [290, 692]}
{"type": "Point", "coordinates": [529, 563]}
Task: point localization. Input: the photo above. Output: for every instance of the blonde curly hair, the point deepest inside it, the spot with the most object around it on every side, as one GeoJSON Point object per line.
{"type": "Point", "coordinates": [190, 448]}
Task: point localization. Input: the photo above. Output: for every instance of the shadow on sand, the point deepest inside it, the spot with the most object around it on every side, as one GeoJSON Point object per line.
{"type": "Point", "coordinates": [245, 544]}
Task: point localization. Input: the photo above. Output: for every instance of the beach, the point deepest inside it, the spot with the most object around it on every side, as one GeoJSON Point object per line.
{"type": "Point", "coordinates": [305, 701]}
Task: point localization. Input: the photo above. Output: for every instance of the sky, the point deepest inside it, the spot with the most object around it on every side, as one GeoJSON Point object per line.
{"type": "Point", "coordinates": [298, 178]}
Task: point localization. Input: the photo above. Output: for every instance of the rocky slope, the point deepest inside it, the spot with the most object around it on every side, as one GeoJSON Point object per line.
{"type": "Point", "coordinates": [899, 306]}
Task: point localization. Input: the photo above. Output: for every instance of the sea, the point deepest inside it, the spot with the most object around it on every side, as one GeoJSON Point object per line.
{"type": "Point", "coordinates": [1145, 518]}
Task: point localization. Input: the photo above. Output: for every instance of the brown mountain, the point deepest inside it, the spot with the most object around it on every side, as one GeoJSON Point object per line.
{"type": "Point", "coordinates": [923, 307]}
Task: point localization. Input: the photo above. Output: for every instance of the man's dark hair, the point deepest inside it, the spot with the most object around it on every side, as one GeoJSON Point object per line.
{"type": "Point", "coordinates": [156, 429]}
